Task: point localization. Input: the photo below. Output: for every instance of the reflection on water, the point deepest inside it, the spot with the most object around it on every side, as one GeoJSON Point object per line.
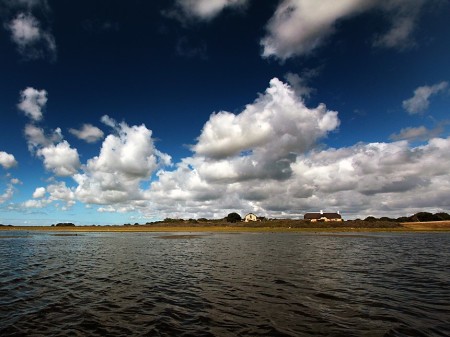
{"type": "Point", "coordinates": [133, 284]}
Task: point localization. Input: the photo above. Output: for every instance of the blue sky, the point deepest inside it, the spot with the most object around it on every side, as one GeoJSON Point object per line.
{"type": "Point", "coordinates": [121, 112]}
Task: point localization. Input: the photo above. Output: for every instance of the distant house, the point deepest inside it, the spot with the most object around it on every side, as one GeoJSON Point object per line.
{"type": "Point", "coordinates": [323, 216]}
{"type": "Point", "coordinates": [250, 217]}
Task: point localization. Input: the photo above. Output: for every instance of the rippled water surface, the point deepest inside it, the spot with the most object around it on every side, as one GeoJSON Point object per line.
{"type": "Point", "coordinates": [266, 284]}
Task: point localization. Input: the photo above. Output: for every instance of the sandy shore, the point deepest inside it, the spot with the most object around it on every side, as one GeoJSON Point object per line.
{"type": "Point", "coordinates": [428, 226]}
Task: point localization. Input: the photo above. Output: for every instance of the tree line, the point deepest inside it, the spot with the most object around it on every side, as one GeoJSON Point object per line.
{"type": "Point", "coordinates": [418, 217]}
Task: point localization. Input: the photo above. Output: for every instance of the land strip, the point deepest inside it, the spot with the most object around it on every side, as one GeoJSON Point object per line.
{"type": "Point", "coordinates": [278, 226]}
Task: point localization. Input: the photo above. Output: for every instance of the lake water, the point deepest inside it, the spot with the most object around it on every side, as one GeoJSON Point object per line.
{"type": "Point", "coordinates": [216, 284]}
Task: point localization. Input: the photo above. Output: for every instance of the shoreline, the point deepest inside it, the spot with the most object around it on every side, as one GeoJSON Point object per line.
{"type": "Point", "coordinates": [406, 228]}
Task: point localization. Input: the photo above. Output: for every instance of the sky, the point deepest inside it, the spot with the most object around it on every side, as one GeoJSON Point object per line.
{"type": "Point", "coordinates": [134, 111]}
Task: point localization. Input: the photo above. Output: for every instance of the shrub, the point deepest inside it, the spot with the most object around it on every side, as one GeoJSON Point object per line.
{"type": "Point", "coordinates": [233, 217]}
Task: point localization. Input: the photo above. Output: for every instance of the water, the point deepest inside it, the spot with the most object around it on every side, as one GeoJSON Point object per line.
{"type": "Point", "coordinates": [266, 284]}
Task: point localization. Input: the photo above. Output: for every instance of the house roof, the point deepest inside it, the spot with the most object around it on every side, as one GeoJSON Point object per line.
{"type": "Point", "coordinates": [309, 216]}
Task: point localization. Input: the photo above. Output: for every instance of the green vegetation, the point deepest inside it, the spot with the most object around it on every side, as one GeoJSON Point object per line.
{"type": "Point", "coordinates": [418, 217]}
{"type": "Point", "coordinates": [233, 217]}
{"type": "Point", "coordinates": [369, 222]}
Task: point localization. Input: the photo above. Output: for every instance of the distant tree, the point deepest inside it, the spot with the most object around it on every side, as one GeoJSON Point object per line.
{"type": "Point", "coordinates": [370, 218]}
{"type": "Point", "coordinates": [65, 224]}
{"type": "Point", "coordinates": [442, 216]}
{"type": "Point", "coordinates": [172, 220]}
{"type": "Point", "coordinates": [233, 217]}
{"type": "Point", "coordinates": [424, 216]}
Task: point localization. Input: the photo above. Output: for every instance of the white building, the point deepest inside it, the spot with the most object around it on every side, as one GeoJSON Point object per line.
{"type": "Point", "coordinates": [250, 217]}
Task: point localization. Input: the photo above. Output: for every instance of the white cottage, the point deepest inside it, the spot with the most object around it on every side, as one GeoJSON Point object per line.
{"type": "Point", "coordinates": [250, 217]}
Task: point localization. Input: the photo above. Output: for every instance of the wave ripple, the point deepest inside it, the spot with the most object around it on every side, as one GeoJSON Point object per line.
{"type": "Point", "coordinates": [129, 284]}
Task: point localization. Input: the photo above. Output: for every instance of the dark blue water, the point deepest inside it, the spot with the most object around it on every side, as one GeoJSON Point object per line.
{"type": "Point", "coordinates": [156, 284]}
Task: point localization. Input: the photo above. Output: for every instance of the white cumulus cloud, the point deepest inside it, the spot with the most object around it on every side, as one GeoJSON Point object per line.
{"type": "Point", "coordinates": [127, 158]}
{"type": "Point", "coordinates": [32, 101]}
{"type": "Point", "coordinates": [58, 191]}
{"type": "Point", "coordinates": [277, 123]}
{"type": "Point", "coordinates": [421, 99]}
{"type": "Point", "coordinates": [7, 160]}
{"type": "Point", "coordinates": [39, 193]}
{"type": "Point", "coordinates": [61, 159]}
{"type": "Point", "coordinates": [88, 133]}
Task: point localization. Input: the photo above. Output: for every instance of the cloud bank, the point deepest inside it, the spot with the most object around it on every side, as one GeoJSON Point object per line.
{"type": "Point", "coordinates": [365, 179]}
{"type": "Point", "coordinates": [268, 159]}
